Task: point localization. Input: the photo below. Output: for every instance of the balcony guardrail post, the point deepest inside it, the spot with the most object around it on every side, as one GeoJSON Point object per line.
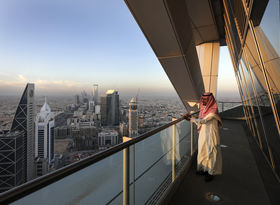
{"type": "Point", "coordinates": [126, 176]}
{"type": "Point", "coordinates": [173, 150]}
{"type": "Point", "coordinates": [133, 174]}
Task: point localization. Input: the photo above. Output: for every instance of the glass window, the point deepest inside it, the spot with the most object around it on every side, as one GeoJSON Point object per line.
{"type": "Point", "coordinates": [270, 23]}
{"type": "Point", "coordinates": [269, 135]}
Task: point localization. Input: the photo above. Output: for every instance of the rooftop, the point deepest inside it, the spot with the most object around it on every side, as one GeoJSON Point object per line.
{"type": "Point", "coordinates": [110, 92]}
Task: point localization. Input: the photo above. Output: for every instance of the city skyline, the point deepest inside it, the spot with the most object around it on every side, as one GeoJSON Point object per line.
{"type": "Point", "coordinates": [65, 49]}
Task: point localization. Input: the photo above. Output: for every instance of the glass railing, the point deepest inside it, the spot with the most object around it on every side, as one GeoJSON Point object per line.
{"type": "Point", "coordinates": [226, 105]}
{"type": "Point", "coordinates": [138, 171]}
{"type": "Point", "coordinates": [231, 110]}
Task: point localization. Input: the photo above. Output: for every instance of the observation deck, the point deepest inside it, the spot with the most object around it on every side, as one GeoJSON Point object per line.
{"type": "Point", "coordinates": [158, 167]}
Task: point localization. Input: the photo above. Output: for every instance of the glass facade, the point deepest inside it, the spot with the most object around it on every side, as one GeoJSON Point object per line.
{"type": "Point", "coordinates": [268, 33]}
{"type": "Point", "coordinates": [11, 160]}
{"type": "Point", "coordinates": [270, 24]}
{"type": "Point", "coordinates": [257, 69]}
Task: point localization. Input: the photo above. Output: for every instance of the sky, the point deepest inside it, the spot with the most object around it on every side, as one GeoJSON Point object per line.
{"type": "Point", "coordinates": [65, 46]}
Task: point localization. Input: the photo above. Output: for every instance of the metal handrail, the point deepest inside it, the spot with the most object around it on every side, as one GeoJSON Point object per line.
{"type": "Point", "coordinates": [237, 102]}
{"type": "Point", "coordinates": [40, 182]}
{"type": "Point", "coordinates": [228, 102]}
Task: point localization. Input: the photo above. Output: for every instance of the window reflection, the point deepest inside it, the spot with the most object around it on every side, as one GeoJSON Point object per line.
{"type": "Point", "coordinates": [270, 23]}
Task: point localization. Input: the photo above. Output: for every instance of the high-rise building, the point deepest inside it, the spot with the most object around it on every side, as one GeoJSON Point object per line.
{"type": "Point", "coordinates": [123, 129]}
{"type": "Point", "coordinates": [44, 139]}
{"type": "Point", "coordinates": [95, 94]}
{"type": "Point", "coordinates": [77, 99]}
{"type": "Point", "coordinates": [24, 121]}
{"type": "Point", "coordinates": [12, 164]}
{"type": "Point", "coordinates": [97, 109]}
{"type": "Point", "coordinates": [107, 139]}
{"type": "Point", "coordinates": [133, 118]}
{"type": "Point", "coordinates": [84, 97]}
{"type": "Point", "coordinates": [110, 111]}
{"type": "Point", "coordinates": [91, 105]}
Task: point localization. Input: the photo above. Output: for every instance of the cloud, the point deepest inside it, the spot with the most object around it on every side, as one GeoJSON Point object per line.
{"type": "Point", "coordinates": [21, 78]}
{"type": "Point", "coordinates": [17, 83]}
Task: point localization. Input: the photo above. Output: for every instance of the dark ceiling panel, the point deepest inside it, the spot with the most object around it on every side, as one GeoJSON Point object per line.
{"type": "Point", "coordinates": [209, 33]}
{"type": "Point", "coordinates": [200, 13]}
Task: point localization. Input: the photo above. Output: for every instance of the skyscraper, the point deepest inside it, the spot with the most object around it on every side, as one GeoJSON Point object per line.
{"type": "Point", "coordinates": [110, 111]}
{"type": "Point", "coordinates": [91, 105]}
{"type": "Point", "coordinates": [133, 118]}
{"type": "Point", "coordinates": [44, 139]}
{"type": "Point", "coordinates": [77, 99]}
{"type": "Point", "coordinates": [24, 121]}
{"type": "Point", "coordinates": [95, 94]}
{"type": "Point", "coordinates": [123, 129]}
{"type": "Point", "coordinates": [12, 164]}
{"type": "Point", "coordinates": [85, 98]}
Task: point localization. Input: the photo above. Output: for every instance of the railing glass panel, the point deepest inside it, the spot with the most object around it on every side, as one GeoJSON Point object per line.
{"type": "Point", "coordinates": [95, 184]}
{"type": "Point", "coordinates": [183, 131]}
{"type": "Point", "coordinates": [155, 158]}
{"type": "Point", "coordinates": [154, 163]}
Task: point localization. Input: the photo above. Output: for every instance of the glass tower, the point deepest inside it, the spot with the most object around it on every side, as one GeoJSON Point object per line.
{"type": "Point", "coordinates": [24, 121]}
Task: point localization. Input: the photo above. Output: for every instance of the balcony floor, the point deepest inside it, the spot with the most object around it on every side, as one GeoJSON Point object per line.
{"type": "Point", "coordinates": [240, 182]}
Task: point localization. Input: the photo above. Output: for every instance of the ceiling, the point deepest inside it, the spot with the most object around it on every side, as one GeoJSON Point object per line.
{"type": "Point", "coordinates": [173, 29]}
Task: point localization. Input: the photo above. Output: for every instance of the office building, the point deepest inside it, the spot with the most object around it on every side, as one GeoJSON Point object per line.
{"type": "Point", "coordinates": [110, 111]}
{"type": "Point", "coordinates": [44, 139]}
{"type": "Point", "coordinates": [24, 121]}
{"type": "Point", "coordinates": [107, 139]}
{"type": "Point", "coordinates": [77, 100]}
{"type": "Point", "coordinates": [84, 96]}
{"type": "Point", "coordinates": [62, 132]}
{"type": "Point", "coordinates": [123, 129]}
{"type": "Point", "coordinates": [91, 105]}
{"type": "Point", "coordinates": [97, 109]}
{"type": "Point", "coordinates": [133, 118]}
{"type": "Point", "coordinates": [95, 94]}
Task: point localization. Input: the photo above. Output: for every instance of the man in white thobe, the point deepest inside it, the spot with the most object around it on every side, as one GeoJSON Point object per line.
{"type": "Point", "coordinates": [209, 157]}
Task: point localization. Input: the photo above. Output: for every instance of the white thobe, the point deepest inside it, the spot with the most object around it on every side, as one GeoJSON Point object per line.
{"type": "Point", "coordinates": [209, 157]}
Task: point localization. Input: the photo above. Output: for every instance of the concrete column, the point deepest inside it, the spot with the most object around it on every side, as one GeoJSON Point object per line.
{"type": "Point", "coordinates": [208, 55]}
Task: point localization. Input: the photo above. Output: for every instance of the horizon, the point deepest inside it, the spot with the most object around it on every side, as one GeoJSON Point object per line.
{"type": "Point", "coordinates": [220, 96]}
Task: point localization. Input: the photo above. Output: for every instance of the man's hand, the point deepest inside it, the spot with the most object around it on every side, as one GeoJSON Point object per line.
{"type": "Point", "coordinates": [187, 117]}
